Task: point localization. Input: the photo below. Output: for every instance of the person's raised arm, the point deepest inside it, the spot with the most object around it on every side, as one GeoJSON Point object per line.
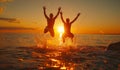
{"type": "Point", "coordinates": [44, 8]}
{"type": "Point", "coordinates": [58, 12]}
{"type": "Point", "coordinates": [75, 18]}
{"type": "Point", "coordinates": [62, 17]}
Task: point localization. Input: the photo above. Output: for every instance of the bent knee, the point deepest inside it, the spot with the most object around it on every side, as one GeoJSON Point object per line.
{"type": "Point", "coordinates": [71, 35]}
{"type": "Point", "coordinates": [52, 33]}
{"type": "Point", "coordinates": [45, 30]}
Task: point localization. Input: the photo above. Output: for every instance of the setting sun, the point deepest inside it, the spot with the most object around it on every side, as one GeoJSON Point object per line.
{"type": "Point", "coordinates": [60, 29]}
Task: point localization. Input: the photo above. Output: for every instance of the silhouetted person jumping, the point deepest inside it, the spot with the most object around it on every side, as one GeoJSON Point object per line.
{"type": "Point", "coordinates": [67, 27]}
{"type": "Point", "coordinates": [50, 22]}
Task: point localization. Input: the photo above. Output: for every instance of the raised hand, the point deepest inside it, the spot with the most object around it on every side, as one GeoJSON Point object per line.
{"type": "Point", "coordinates": [78, 14]}
{"type": "Point", "coordinates": [44, 7]}
{"type": "Point", "coordinates": [59, 8]}
{"type": "Point", "coordinates": [61, 13]}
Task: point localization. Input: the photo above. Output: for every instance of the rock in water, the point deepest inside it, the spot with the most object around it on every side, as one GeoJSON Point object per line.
{"type": "Point", "coordinates": [114, 47]}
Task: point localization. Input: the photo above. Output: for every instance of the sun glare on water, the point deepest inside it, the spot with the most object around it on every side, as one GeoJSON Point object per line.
{"type": "Point", "coordinates": [61, 31]}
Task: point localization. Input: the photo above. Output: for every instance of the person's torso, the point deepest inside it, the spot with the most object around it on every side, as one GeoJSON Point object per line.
{"type": "Point", "coordinates": [67, 27]}
{"type": "Point", "coordinates": [50, 22]}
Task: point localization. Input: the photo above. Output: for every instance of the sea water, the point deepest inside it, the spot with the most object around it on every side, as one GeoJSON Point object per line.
{"type": "Point", "coordinates": [31, 39]}
{"type": "Point", "coordinates": [20, 51]}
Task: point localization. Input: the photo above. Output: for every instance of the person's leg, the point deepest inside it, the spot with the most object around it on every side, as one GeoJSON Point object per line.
{"type": "Point", "coordinates": [71, 36]}
{"type": "Point", "coordinates": [63, 38]}
{"type": "Point", "coordinates": [46, 29]}
{"type": "Point", "coordinates": [51, 32]}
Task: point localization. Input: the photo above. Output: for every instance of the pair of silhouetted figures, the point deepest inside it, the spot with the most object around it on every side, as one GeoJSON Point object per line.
{"type": "Point", "coordinates": [51, 22]}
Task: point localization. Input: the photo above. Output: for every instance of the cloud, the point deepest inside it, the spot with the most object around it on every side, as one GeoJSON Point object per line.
{"type": "Point", "coordinates": [16, 28]}
{"type": "Point", "coordinates": [1, 10]}
{"type": "Point", "coordinates": [3, 1]}
{"type": "Point", "coordinates": [2, 4]}
{"type": "Point", "coordinates": [11, 20]}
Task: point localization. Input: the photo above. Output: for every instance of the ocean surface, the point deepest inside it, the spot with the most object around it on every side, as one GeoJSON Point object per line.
{"type": "Point", "coordinates": [32, 39]}
{"type": "Point", "coordinates": [33, 51]}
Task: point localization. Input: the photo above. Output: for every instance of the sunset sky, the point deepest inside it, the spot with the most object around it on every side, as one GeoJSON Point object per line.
{"type": "Point", "coordinates": [97, 16]}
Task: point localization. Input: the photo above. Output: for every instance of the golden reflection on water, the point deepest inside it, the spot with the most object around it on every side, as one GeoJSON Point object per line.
{"type": "Point", "coordinates": [85, 59]}
{"type": "Point", "coordinates": [55, 63]}
{"type": "Point", "coordinates": [58, 64]}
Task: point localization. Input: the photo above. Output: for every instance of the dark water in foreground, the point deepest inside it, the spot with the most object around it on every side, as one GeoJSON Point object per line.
{"type": "Point", "coordinates": [35, 58]}
{"type": "Point", "coordinates": [18, 52]}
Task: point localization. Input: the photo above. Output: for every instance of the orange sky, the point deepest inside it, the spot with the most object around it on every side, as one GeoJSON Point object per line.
{"type": "Point", "coordinates": [101, 16]}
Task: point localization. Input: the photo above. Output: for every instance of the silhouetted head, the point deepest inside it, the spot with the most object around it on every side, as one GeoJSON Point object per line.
{"type": "Point", "coordinates": [51, 15]}
{"type": "Point", "coordinates": [67, 20]}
